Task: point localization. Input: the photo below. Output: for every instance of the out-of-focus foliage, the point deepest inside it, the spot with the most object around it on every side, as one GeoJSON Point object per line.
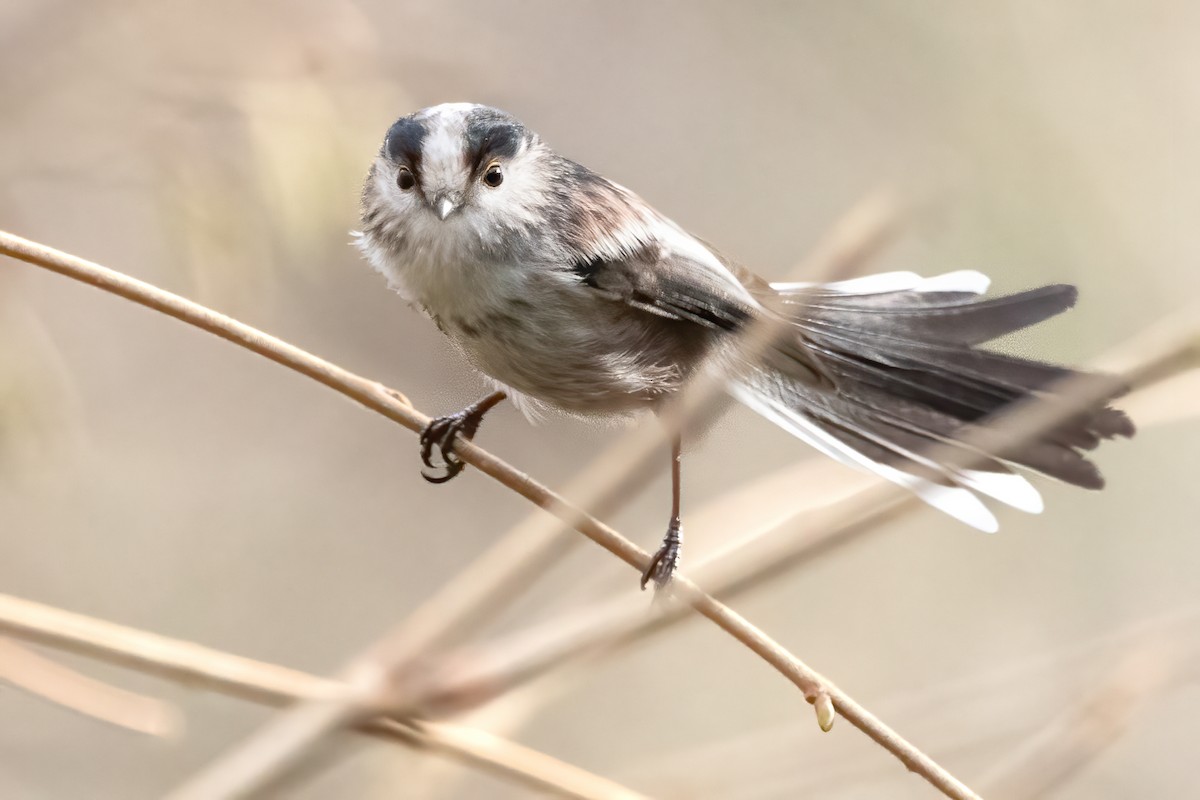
{"type": "Point", "coordinates": [38, 415]}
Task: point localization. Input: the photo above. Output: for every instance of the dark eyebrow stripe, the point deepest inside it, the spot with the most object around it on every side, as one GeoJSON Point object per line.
{"type": "Point", "coordinates": [403, 141]}
{"type": "Point", "coordinates": [491, 133]}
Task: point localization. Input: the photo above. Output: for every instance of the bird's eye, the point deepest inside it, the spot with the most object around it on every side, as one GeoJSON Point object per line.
{"type": "Point", "coordinates": [405, 179]}
{"type": "Point", "coordinates": [493, 177]}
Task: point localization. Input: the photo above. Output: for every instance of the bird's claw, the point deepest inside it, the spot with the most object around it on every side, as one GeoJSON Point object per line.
{"type": "Point", "coordinates": [441, 432]}
{"type": "Point", "coordinates": [663, 563]}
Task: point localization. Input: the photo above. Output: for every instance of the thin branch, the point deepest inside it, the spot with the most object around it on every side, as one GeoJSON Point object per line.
{"type": "Point", "coordinates": [494, 580]}
{"type": "Point", "coordinates": [49, 680]}
{"type": "Point", "coordinates": [1147, 359]}
{"type": "Point", "coordinates": [464, 603]}
{"type": "Point", "coordinates": [283, 743]}
{"type": "Point", "coordinates": [834, 512]}
{"type": "Point", "coordinates": [267, 684]}
{"type": "Point", "coordinates": [374, 396]}
{"type": "Point", "coordinates": [531, 767]}
{"type": "Point", "coordinates": [183, 662]}
{"type": "Point", "coordinates": [478, 675]}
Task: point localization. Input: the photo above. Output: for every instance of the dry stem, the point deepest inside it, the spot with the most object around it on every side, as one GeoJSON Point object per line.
{"type": "Point", "coordinates": [192, 665]}
{"type": "Point", "coordinates": [377, 398]}
{"type": "Point", "coordinates": [49, 680]}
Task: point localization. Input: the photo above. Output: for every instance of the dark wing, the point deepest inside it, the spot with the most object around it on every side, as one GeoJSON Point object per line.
{"type": "Point", "coordinates": [711, 294]}
{"type": "Point", "coordinates": [620, 246]}
{"type": "Point", "coordinates": [663, 283]}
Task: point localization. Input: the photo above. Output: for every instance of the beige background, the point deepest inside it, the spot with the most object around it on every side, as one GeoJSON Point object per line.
{"type": "Point", "coordinates": [154, 476]}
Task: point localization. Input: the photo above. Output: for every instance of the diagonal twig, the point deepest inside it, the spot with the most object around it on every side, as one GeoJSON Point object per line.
{"type": "Point", "coordinates": [1018, 688]}
{"type": "Point", "coordinates": [477, 675]}
{"type": "Point", "coordinates": [374, 396]}
{"type": "Point", "coordinates": [497, 577]}
{"type": "Point", "coordinates": [1153, 356]}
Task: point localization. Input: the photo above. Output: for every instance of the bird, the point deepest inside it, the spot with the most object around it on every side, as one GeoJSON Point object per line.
{"type": "Point", "coordinates": [570, 292]}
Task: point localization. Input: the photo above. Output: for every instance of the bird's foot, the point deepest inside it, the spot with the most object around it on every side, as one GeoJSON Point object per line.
{"type": "Point", "coordinates": [440, 433]}
{"type": "Point", "coordinates": [662, 565]}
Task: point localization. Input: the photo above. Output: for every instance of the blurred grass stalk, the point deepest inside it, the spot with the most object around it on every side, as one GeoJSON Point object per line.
{"type": "Point", "coordinates": [41, 677]}
{"type": "Point", "coordinates": [192, 665]}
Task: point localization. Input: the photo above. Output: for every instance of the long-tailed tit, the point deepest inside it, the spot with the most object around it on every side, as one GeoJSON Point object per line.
{"type": "Point", "coordinates": [570, 291]}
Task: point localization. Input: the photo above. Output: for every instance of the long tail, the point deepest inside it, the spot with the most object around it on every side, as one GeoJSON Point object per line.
{"type": "Point", "coordinates": [903, 374]}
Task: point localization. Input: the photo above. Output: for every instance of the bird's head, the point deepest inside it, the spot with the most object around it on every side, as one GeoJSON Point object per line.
{"type": "Point", "coordinates": [456, 164]}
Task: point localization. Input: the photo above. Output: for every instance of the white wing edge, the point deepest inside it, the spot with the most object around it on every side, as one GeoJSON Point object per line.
{"type": "Point", "coordinates": [963, 280]}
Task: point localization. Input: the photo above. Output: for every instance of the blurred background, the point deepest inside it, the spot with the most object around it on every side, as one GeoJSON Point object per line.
{"type": "Point", "coordinates": [155, 476]}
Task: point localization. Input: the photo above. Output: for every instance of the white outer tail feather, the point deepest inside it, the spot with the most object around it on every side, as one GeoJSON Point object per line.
{"type": "Point", "coordinates": [955, 501]}
{"type": "Point", "coordinates": [1012, 490]}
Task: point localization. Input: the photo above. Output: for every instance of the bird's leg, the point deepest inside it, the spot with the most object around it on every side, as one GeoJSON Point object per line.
{"type": "Point", "coordinates": [662, 565]}
{"type": "Point", "coordinates": [441, 432]}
